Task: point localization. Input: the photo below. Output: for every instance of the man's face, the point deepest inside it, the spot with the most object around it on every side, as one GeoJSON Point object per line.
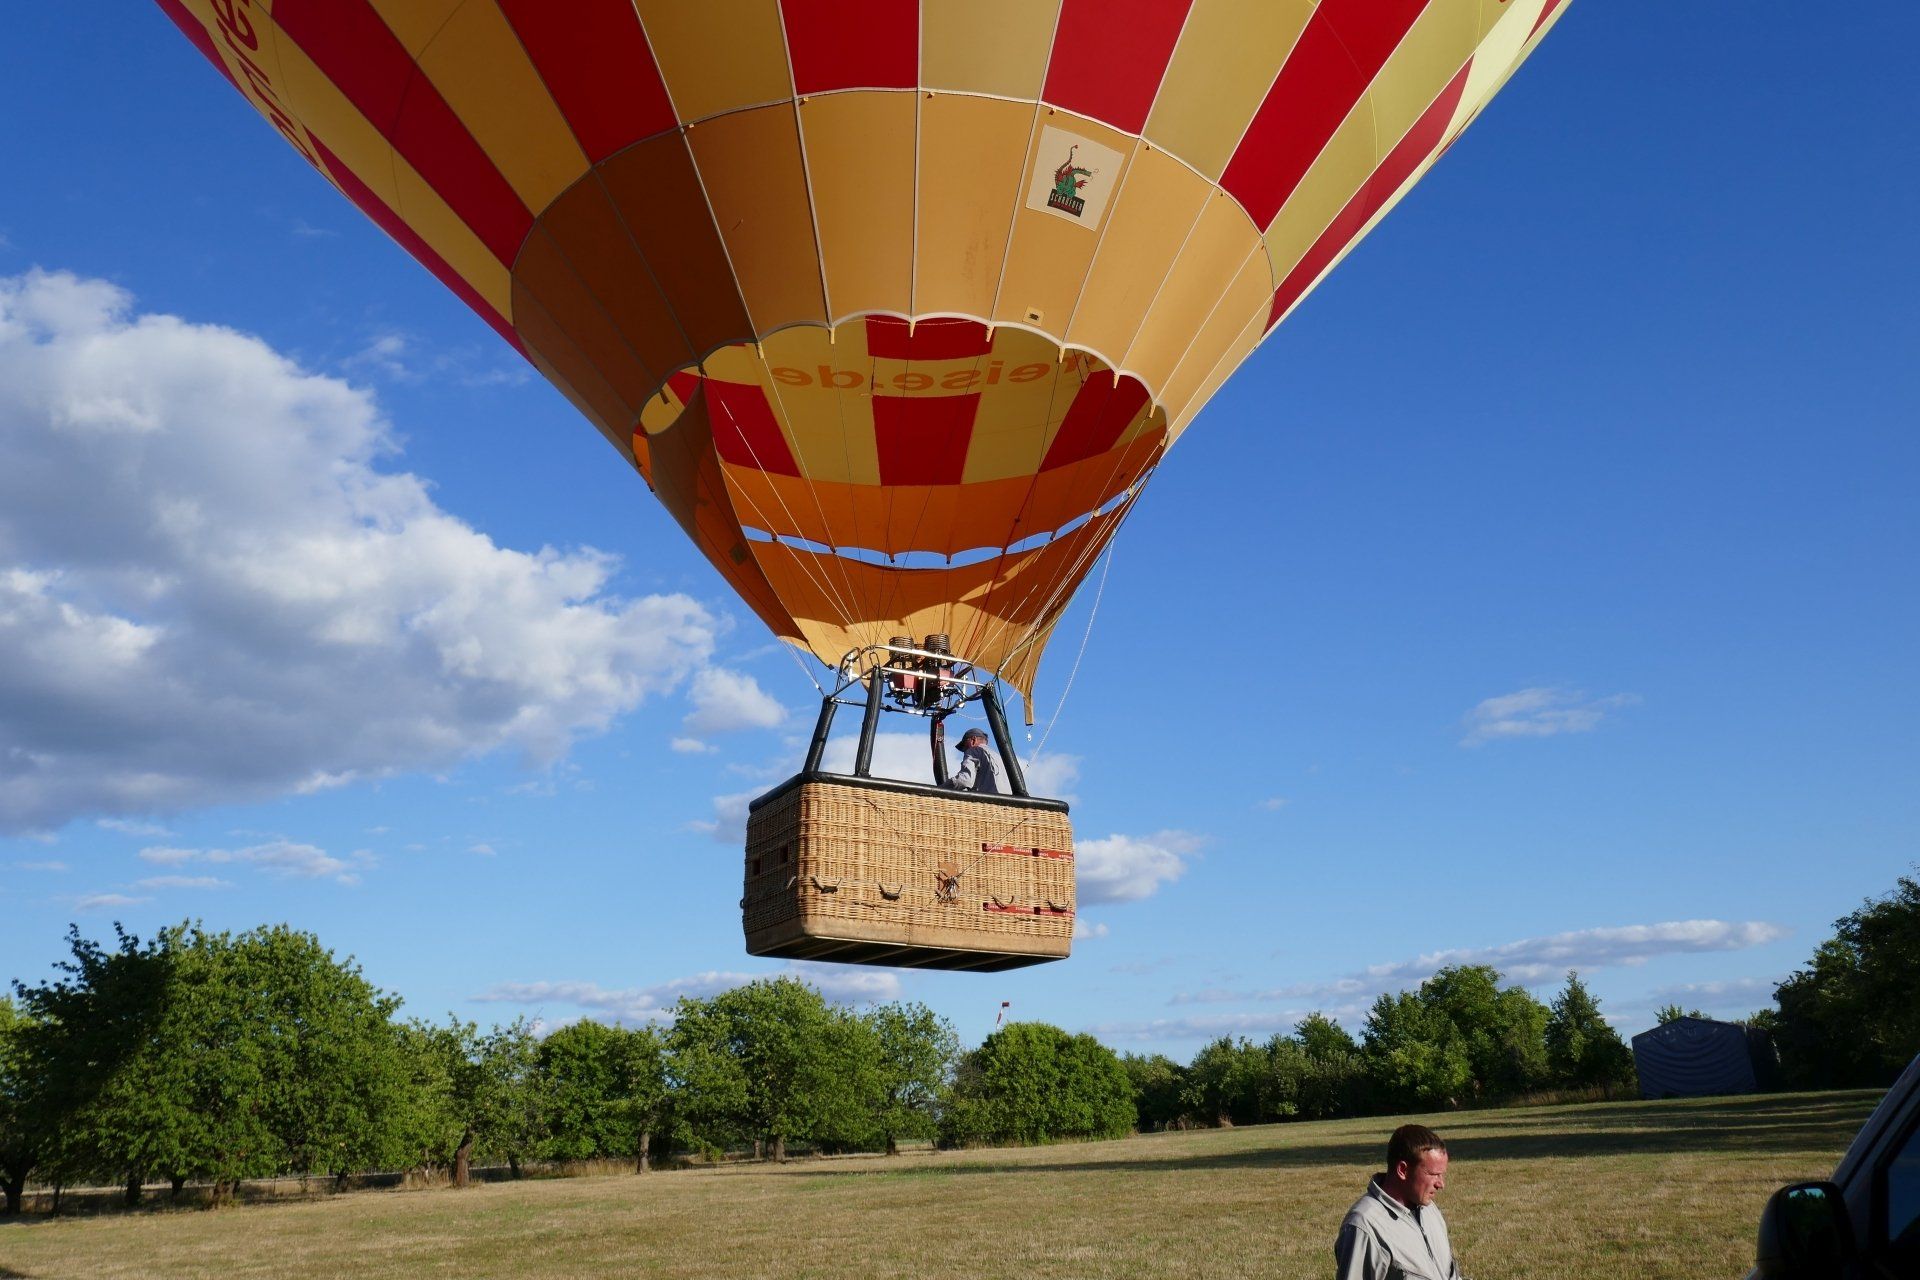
{"type": "Point", "coordinates": [1426, 1178]}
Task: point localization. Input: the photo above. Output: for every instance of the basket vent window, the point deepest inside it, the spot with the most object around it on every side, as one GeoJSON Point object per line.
{"type": "Point", "coordinates": [785, 852]}
{"type": "Point", "coordinates": [756, 866]}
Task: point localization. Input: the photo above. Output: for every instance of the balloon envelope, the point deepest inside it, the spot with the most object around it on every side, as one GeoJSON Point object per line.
{"type": "Point", "coordinates": [895, 304]}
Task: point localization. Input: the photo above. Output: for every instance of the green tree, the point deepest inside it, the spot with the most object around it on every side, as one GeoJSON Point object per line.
{"type": "Point", "coordinates": [581, 1068]}
{"type": "Point", "coordinates": [644, 1098]}
{"type": "Point", "coordinates": [1850, 1018]}
{"type": "Point", "coordinates": [1159, 1086]}
{"type": "Point", "coordinates": [509, 1107]}
{"type": "Point", "coordinates": [1583, 1049]}
{"type": "Point", "coordinates": [324, 1041]}
{"type": "Point", "coordinates": [916, 1053]}
{"type": "Point", "coordinates": [1030, 1082]}
{"type": "Point", "coordinates": [749, 1063]}
{"type": "Point", "coordinates": [1322, 1037]}
{"type": "Point", "coordinates": [1501, 1031]}
{"type": "Point", "coordinates": [117, 1066]}
{"type": "Point", "coordinates": [1334, 1079]}
{"type": "Point", "coordinates": [1413, 1055]}
{"type": "Point", "coordinates": [1227, 1082]}
{"type": "Point", "coordinates": [427, 1132]}
{"type": "Point", "coordinates": [24, 1119]}
{"type": "Point", "coordinates": [1673, 1013]}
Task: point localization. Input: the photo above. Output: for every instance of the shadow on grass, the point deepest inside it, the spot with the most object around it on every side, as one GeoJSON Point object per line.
{"type": "Point", "coordinates": [1758, 1125]}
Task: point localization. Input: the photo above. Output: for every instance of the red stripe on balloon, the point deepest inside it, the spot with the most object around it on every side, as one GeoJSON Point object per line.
{"type": "Point", "coordinates": [1109, 56]}
{"type": "Point", "coordinates": [852, 44]}
{"type": "Point", "coordinates": [1343, 47]}
{"type": "Point", "coordinates": [889, 338]}
{"type": "Point", "coordinates": [1427, 133]}
{"type": "Point", "coordinates": [1545, 13]}
{"type": "Point", "coordinates": [390, 222]}
{"type": "Point", "coordinates": [596, 63]}
{"type": "Point", "coordinates": [745, 432]}
{"type": "Point", "coordinates": [354, 49]}
{"type": "Point", "coordinates": [1099, 413]}
{"type": "Point", "coordinates": [923, 440]}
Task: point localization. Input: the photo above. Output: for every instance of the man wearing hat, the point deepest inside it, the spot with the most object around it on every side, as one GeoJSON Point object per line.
{"type": "Point", "coordinates": [979, 772]}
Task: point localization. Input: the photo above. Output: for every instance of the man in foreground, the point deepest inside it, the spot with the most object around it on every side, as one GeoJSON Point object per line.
{"type": "Point", "coordinates": [1395, 1230]}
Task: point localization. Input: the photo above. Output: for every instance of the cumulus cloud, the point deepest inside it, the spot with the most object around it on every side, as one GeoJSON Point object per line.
{"type": "Point", "coordinates": [144, 830]}
{"type": "Point", "coordinates": [1257, 1026]}
{"type": "Point", "coordinates": [1121, 868]}
{"type": "Point", "coordinates": [1529, 962]}
{"type": "Point", "coordinates": [49, 864]}
{"type": "Point", "coordinates": [1541, 959]}
{"type": "Point", "coordinates": [1539, 713]}
{"type": "Point", "coordinates": [105, 901]}
{"type": "Point", "coordinates": [1273, 804]}
{"type": "Point", "coordinates": [1084, 929]}
{"type": "Point", "coordinates": [724, 701]}
{"type": "Point", "coordinates": [836, 983]}
{"type": "Point", "coordinates": [183, 882]}
{"type": "Point", "coordinates": [211, 591]}
{"type": "Point", "coordinates": [693, 747]}
{"type": "Point", "coordinates": [284, 858]}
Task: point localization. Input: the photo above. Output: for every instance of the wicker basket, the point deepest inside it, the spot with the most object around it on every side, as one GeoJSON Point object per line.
{"type": "Point", "coordinates": [877, 872]}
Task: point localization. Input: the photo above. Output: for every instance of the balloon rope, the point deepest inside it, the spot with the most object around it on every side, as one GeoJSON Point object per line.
{"type": "Point", "coordinates": [803, 666]}
{"type": "Point", "coordinates": [828, 594]}
{"type": "Point", "coordinates": [1085, 636]}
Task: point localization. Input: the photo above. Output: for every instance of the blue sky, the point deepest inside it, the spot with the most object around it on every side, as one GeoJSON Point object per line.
{"type": "Point", "coordinates": [1570, 527]}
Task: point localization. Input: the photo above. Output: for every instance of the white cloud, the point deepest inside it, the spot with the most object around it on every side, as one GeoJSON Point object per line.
{"type": "Point", "coordinates": [1273, 804]}
{"type": "Point", "coordinates": [284, 858]}
{"type": "Point", "coordinates": [1529, 962]}
{"type": "Point", "coordinates": [183, 882]}
{"type": "Point", "coordinates": [837, 983]}
{"type": "Point", "coordinates": [105, 901]}
{"type": "Point", "coordinates": [1539, 713]}
{"type": "Point", "coordinates": [1084, 928]}
{"type": "Point", "coordinates": [1121, 868]}
{"type": "Point", "coordinates": [1533, 960]}
{"type": "Point", "coordinates": [385, 354]}
{"type": "Point", "coordinates": [1743, 992]}
{"type": "Point", "coordinates": [729, 822]}
{"type": "Point", "coordinates": [724, 701]}
{"type": "Point", "coordinates": [47, 865]}
{"type": "Point", "coordinates": [1256, 1026]}
{"type": "Point", "coordinates": [211, 592]}
{"type": "Point", "coordinates": [144, 830]}
{"type": "Point", "coordinates": [483, 849]}
{"type": "Point", "coordinates": [693, 747]}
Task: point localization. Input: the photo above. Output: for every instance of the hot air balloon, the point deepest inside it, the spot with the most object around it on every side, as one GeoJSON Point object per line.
{"type": "Point", "coordinates": [894, 304]}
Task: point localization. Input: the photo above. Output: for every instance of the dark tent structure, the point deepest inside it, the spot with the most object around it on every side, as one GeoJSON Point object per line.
{"type": "Point", "coordinates": [1700, 1057]}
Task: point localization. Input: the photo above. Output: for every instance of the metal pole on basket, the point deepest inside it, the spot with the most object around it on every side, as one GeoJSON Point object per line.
{"type": "Point", "coordinates": [997, 721]}
{"type": "Point", "coordinates": [863, 761]}
{"type": "Point", "coordinates": [938, 735]}
{"type": "Point", "coordinates": [821, 728]}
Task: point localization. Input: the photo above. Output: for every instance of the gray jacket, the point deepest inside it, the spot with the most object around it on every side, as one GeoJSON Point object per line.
{"type": "Point", "coordinates": [979, 772]}
{"type": "Point", "coordinates": [1382, 1239]}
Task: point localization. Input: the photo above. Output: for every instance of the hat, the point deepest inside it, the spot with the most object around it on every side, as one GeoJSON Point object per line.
{"type": "Point", "coordinates": [969, 736]}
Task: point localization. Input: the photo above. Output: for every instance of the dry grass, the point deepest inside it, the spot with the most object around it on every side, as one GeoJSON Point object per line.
{"type": "Point", "coordinates": [1623, 1189]}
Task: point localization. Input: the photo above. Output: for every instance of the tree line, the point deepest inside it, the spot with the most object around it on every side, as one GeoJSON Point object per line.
{"type": "Point", "coordinates": [214, 1058]}
{"type": "Point", "coordinates": [1459, 1040]}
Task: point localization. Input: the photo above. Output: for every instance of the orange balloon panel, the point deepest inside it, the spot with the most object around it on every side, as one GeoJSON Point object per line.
{"type": "Point", "coordinates": [895, 303]}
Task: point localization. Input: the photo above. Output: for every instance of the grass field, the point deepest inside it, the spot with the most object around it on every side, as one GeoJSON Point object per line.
{"type": "Point", "coordinates": [1622, 1189]}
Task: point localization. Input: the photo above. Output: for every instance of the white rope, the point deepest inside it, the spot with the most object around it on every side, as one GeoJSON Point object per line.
{"type": "Point", "coordinates": [1087, 635]}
